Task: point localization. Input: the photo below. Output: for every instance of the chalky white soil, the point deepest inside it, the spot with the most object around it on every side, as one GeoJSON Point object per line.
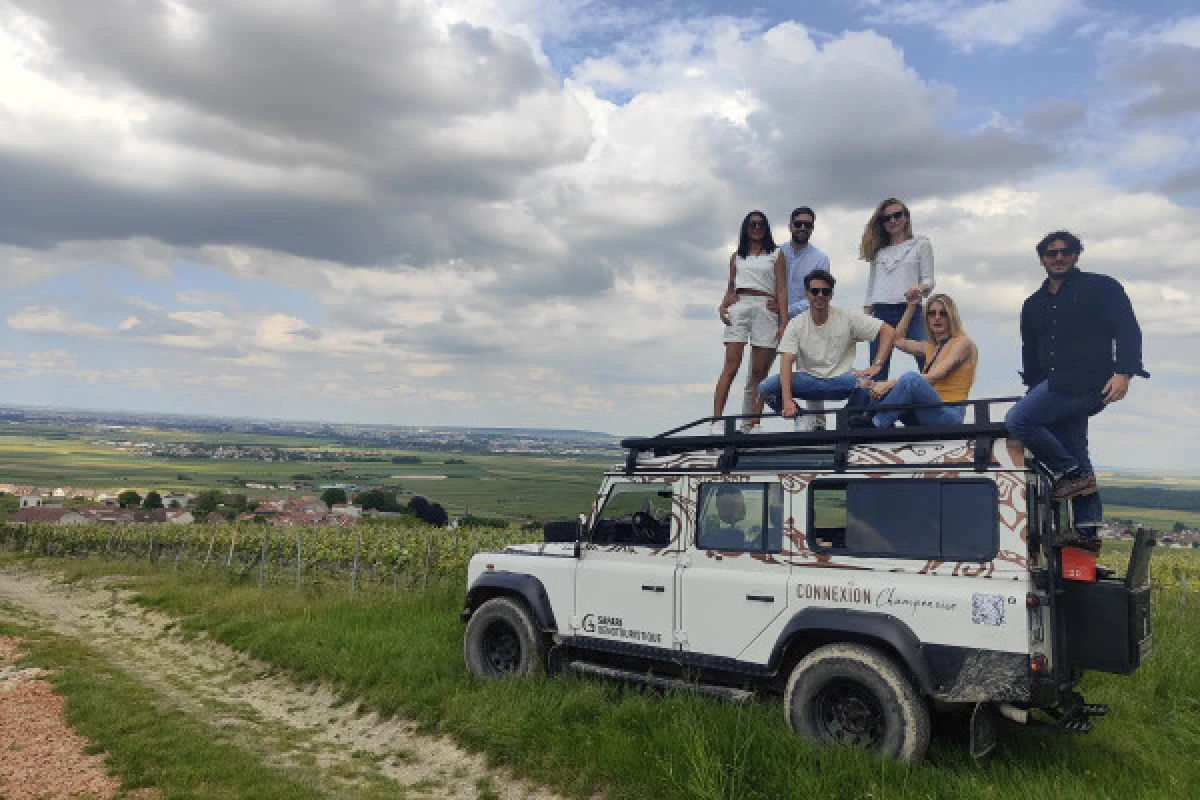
{"type": "Point", "coordinates": [302, 730]}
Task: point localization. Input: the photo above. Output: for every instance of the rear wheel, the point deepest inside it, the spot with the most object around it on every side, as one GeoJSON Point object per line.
{"type": "Point", "coordinates": [503, 639]}
{"type": "Point", "coordinates": [854, 694]}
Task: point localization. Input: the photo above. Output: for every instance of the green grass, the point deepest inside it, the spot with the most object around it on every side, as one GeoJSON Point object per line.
{"type": "Point", "coordinates": [1160, 519]}
{"type": "Point", "coordinates": [146, 742]}
{"type": "Point", "coordinates": [583, 736]}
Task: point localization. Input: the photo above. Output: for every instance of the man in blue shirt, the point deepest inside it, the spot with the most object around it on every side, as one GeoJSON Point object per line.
{"type": "Point", "coordinates": [1080, 346]}
{"type": "Point", "coordinates": [802, 258]}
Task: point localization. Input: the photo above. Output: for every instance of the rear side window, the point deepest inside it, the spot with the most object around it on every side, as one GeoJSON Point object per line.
{"type": "Point", "coordinates": [741, 516]}
{"type": "Point", "coordinates": [949, 520]}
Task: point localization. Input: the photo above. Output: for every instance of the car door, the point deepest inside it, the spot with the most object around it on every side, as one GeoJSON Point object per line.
{"type": "Point", "coordinates": [625, 577]}
{"type": "Point", "coordinates": [733, 583]}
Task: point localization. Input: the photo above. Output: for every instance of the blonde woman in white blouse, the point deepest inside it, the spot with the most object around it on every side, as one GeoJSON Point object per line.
{"type": "Point", "coordinates": [901, 271]}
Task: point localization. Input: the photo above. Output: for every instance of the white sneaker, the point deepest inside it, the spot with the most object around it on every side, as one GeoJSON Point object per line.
{"type": "Point", "coordinates": [753, 429]}
{"type": "Point", "coordinates": [716, 429]}
{"type": "Point", "coordinates": [806, 423]}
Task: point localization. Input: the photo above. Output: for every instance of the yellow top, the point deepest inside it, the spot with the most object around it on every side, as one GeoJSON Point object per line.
{"type": "Point", "coordinates": [957, 383]}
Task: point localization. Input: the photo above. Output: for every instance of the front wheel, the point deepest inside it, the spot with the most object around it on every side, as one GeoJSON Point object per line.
{"type": "Point", "coordinates": [503, 639]}
{"type": "Point", "coordinates": [855, 694]}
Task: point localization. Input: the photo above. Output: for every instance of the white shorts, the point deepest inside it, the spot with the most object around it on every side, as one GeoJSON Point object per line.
{"type": "Point", "coordinates": [751, 322]}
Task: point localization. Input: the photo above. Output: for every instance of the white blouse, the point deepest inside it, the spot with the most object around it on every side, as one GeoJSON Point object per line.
{"type": "Point", "coordinates": [898, 267]}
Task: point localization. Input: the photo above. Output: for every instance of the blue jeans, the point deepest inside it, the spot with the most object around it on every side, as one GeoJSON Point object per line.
{"type": "Point", "coordinates": [910, 389]}
{"type": "Point", "coordinates": [1054, 427]}
{"type": "Point", "coordinates": [807, 387]}
{"type": "Point", "coordinates": [891, 314]}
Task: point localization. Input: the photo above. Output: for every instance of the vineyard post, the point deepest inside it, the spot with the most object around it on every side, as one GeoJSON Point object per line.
{"type": "Point", "coordinates": [299, 538]}
{"type": "Point", "coordinates": [150, 554]}
{"type": "Point", "coordinates": [262, 564]}
{"type": "Point", "coordinates": [354, 572]}
{"type": "Point", "coordinates": [211, 541]}
{"type": "Point", "coordinates": [428, 557]}
{"type": "Point", "coordinates": [182, 546]}
{"type": "Point", "coordinates": [399, 556]}
{"type": "Point", "coordinates": [108, 544]}
{"type": "Point", "coordinates": [138, 546]}
{"type": "Point", "coordinates": [232, 544]}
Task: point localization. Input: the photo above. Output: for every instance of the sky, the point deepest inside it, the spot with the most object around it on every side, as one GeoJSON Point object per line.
{"type": "Point", "coordinates": [520, 213]}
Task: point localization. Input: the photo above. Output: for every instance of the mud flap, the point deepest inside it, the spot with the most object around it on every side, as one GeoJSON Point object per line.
{"type": "Point", "coordinates": [984, 730]}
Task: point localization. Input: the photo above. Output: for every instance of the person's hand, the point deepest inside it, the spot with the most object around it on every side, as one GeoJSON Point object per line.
{"type": "Point", "coordinates": [723, 313]}
{"type": "Point", "coordinates": [779, 333]}
{"type": "Point", "coordinates": [869, 372]}
{"type": "Point", "coordinates": [1116, 388]}
{"type": "Point", "coordinates": [789, 409]}
{"type": "Point", "coordinates": [880, 389]}
{"type": "Point", "coordinates": [868, 309]}
{"type": "Point", "coordinates": [772, 305]}
{"type": "Point", "coordinates": [913, 296]}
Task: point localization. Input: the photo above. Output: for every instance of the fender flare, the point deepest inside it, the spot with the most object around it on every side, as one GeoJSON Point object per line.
{"type": "Point", "coordinates": [836, 622]}
{"type": "Point", "coordinates": [501, 582]}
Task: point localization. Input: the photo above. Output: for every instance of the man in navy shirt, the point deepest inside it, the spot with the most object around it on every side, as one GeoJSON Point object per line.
{"type": "Point", "coordinates": [1080, 346]}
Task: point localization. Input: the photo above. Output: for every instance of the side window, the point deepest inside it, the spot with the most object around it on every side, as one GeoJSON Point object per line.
{"type": "Point", "coordinates": [635, 514]}
{"type": "Point", "coordinates": [741, 516]}
{"type": "Point", "coordinates": [953, 520]}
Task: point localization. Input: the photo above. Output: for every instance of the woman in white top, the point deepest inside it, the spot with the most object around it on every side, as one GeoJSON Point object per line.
{"type": "Point", "coordinates": [901, 271]}
{"type": "Point", "coordinates": [757, 273]}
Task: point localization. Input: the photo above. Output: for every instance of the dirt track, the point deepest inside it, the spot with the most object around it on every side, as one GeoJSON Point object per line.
{"type": "Point", "coordinates": [298, 729]}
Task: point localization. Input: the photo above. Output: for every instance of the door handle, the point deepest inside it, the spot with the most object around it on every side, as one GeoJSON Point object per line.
{"type": "Point", "coordinates": [648, 588]}
{"type": "Point", "coordinates": [761, 598]}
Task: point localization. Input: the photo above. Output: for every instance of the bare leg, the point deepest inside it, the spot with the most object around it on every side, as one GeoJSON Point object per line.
{"type": "Point", "coordinates": [733, 360]}
{"type": "Point", "coordinates": [760, 366]}
{"type": "Point", "coordinates": [750, 402]}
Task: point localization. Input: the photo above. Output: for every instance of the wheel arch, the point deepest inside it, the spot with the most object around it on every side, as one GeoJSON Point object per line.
{"type": "Point", "coordinates": [814, 627]}
{"type": "Point", "coordinates": [512, 584]}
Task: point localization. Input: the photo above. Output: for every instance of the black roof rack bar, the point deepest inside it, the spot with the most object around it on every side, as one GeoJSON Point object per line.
{"type": "Point", "coordinates": [732, 442]}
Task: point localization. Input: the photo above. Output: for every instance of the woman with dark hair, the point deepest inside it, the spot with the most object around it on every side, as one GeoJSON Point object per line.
{"type": "Point", "coordinates": [757, 273]}
{"type": "Point", "coordinates": [901, 270]}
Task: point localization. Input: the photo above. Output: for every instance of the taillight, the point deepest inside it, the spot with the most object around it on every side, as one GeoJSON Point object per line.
{"type": "Point", "coordinates": [1037, 664]}
{"type": "Point", "coordinates": [1032, 600]}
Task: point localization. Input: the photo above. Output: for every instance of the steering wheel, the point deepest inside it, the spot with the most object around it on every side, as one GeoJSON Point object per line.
{"type": "Point", "coordinates": [645, 527]}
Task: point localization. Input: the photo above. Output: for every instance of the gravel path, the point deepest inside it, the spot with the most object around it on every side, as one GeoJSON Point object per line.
{"type": "Point", "coordinates": [302, 730]}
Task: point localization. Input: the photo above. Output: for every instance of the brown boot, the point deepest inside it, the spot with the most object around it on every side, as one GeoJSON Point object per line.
{"type": "Point", "coordinates": [1066, 488]}
{"type": "Point", "coordinates": [1073, 538]}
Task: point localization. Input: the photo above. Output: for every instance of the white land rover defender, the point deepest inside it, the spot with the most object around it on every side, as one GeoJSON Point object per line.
{"type": "Point", "coordinates": [867, 575]}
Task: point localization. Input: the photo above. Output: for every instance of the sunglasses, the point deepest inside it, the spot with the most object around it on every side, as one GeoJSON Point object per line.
{"type": "Point", "coordinates": [802, 223]}
{"type": "Point", "coordinates": [937, 312]}
{"type": "Point", "coordinates": [818, 291]}
{"type": "Point", "coordinates": [756, 223]}
{"type": "Point", "coordinates": [1065, 252]}
{"type": "Point", "coordinates": [895, 216]}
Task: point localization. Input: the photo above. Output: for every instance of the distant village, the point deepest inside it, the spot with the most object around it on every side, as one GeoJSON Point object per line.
{"type": "Point", "coordinates": [72, 506]}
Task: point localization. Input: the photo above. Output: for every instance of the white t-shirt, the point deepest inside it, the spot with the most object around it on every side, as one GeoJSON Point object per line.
{"type": "Point", "coordinates": [825, 351]}
{"type": "Point", "coordinates": [757, 272]}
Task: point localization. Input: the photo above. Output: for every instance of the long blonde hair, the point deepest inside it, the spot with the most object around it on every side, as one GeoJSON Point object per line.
{"type": "Point", "coordinates": [875, 236]}
{"type": "Point", "coordinates": [955, 326]}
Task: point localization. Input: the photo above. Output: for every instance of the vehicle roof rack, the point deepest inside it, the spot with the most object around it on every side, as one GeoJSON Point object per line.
{"type": "Point", "coordinates": [832, 443]}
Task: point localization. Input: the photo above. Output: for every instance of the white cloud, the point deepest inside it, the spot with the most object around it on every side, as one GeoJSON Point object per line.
{"type": "Point", "coordinates": [51, 320]}
{"type": "Point", "coordinates": [968, 23]}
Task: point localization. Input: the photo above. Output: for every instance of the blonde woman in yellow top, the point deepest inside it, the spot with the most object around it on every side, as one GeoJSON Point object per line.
{"type": "Point", "coordinates": [949, 369]}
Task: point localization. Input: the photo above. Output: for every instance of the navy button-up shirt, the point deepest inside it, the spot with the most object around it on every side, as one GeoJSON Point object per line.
{"type": "Point", "coordinates": [1080, 336]}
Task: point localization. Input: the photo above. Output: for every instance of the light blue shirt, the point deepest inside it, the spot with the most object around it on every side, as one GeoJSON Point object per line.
{"type": "Point", "coordinates": [799, 264]}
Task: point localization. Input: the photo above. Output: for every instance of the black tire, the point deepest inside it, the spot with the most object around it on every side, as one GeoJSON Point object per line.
{"type": "Point", "coordinates": [503, 639]}
{"type": "Point", "coordinates": [854, 694]}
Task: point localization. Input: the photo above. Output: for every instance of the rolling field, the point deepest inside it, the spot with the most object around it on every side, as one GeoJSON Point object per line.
{"type": "Point", "coordinates": [512, 486]}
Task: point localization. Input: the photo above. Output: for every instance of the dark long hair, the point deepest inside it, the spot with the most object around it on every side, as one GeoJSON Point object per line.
{"type": "Point", "coordinates": [768, 242]}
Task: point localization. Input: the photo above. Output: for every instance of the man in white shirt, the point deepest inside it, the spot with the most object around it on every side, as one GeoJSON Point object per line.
{"type": "Point", "coordinates": [817, 352]}
{"type": "Point", "coordinates": [802, 258]}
